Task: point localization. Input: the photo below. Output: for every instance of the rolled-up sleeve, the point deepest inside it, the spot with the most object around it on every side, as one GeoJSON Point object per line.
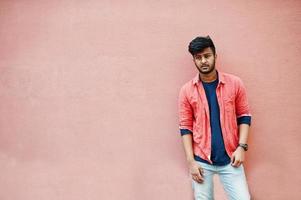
{"type": "Point", "coordinates": [185, 113]}
{"type": "Point", "coordinates": [241, 104]}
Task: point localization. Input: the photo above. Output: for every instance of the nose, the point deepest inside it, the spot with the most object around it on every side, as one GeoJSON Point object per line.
{"type": "Point", "coordinates": [203, 60]}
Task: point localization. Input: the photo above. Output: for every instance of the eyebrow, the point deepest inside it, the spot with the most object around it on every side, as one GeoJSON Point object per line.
{"type": "Point", "coordinates": [204, 54]}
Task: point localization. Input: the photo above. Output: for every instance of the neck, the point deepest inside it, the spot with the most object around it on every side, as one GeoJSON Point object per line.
{"type": "Point", "coordinates": [212, 76]}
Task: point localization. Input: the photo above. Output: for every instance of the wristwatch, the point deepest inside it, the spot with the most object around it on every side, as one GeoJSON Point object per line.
{"type": "Point", "coordinates": [244, 146]}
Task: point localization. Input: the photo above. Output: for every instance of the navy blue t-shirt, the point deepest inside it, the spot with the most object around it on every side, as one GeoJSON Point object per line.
{"type": "Point", "coordinates": [219, 155]}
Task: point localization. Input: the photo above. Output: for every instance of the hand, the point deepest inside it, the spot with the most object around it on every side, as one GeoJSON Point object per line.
{"type": "Point", "coordinates": [196, 171]}
{"type": "Point", "coordinates": [238, 157]}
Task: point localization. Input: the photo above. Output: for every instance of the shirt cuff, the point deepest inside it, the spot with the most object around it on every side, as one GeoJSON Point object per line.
{"type": "Point", "coordinates": [244, 120]}
{"type": "Point", "coordinates": [185, 132]}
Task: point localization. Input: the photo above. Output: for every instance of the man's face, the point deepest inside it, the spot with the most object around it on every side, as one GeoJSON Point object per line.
{"type": "Point", "coordinates": [205, 61]}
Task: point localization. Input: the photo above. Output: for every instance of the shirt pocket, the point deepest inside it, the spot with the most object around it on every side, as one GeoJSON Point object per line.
{"type": "Point", "coordinates": [194, 102]}
{"type": "Point", "coordinates": [229, 104]}
{"type": "Point", "coordinates": [198, 121]}
{"type": "Point", "coordinates": [230, 115]}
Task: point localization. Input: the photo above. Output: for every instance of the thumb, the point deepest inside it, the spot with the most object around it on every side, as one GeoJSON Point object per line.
{"type": "Point", "coordinates": [201, 171]}
{"type": "Point", "coordinates": [232, 158]}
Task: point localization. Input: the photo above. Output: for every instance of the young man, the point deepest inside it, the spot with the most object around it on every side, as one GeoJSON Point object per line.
{"type": "Point", "coordinates": [214, 120]}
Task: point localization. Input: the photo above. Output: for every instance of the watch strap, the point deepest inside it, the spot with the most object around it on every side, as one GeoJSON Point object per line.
{"type": "Point", "coordinates": [244, 146]}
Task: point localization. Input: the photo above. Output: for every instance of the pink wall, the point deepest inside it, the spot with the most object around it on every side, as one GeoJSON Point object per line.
{"type": "Point", "coordinates": [88, 93]}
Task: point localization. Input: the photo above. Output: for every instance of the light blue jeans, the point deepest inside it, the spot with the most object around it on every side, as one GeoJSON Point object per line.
{"type": "Point", "coordinates": [232, 178]}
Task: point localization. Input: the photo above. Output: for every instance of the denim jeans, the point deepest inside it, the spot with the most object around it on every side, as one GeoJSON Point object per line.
{"type": "Point", "coordinates": [232, 178]}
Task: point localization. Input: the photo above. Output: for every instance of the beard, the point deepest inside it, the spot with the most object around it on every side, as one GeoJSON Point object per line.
{"type": "Point", "coordinates": [206, 69]}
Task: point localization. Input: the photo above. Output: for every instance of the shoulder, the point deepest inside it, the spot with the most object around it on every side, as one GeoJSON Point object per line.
{"type": "Point", "coordinates": [189, 84]}
{"type": "Point", "coordinates": [187, 88]}
{"type": "Point", "coordinates": [231, 78]}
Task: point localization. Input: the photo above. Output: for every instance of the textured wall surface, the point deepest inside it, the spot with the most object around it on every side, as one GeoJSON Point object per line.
{"type": "Point", "coordinates": [88, 95]}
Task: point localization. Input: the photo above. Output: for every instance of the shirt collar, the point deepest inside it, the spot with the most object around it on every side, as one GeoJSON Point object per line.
{"type": "Point", "coordinates": [221, 78]}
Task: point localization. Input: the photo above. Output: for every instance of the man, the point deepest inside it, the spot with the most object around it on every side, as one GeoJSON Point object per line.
{"type": "Point", "coordinates": [214, 120]}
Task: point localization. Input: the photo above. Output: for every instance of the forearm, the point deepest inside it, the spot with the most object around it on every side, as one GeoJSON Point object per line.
{"type": "Point", "coordinates": [243, 133]}
{"type": "Point", "coordinates": [187, 143]}
{"type": "Point", "coordinates": [238, 156]}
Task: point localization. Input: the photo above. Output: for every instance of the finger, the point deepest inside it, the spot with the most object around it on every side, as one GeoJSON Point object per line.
{"type": "Point", "coordinates": [201, 170]}
{"type": "Point", "coordinates": [198, 179]}
{"type": "Point", "coordinates": [195, 178]}
{"type": "Point", "coordinates": [236, 163]}
{"type": "Point", "coordinates": [232, 159]}
{"type": "Point", "coordinates": [201, 174]}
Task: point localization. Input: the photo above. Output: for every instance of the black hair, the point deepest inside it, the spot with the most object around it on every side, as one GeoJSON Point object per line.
{"type": "Point", "coordinates": [198, 44]}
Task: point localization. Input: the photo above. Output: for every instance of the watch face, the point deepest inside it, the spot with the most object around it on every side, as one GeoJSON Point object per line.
{"type": "Point", "coordinates": [244, 146]}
